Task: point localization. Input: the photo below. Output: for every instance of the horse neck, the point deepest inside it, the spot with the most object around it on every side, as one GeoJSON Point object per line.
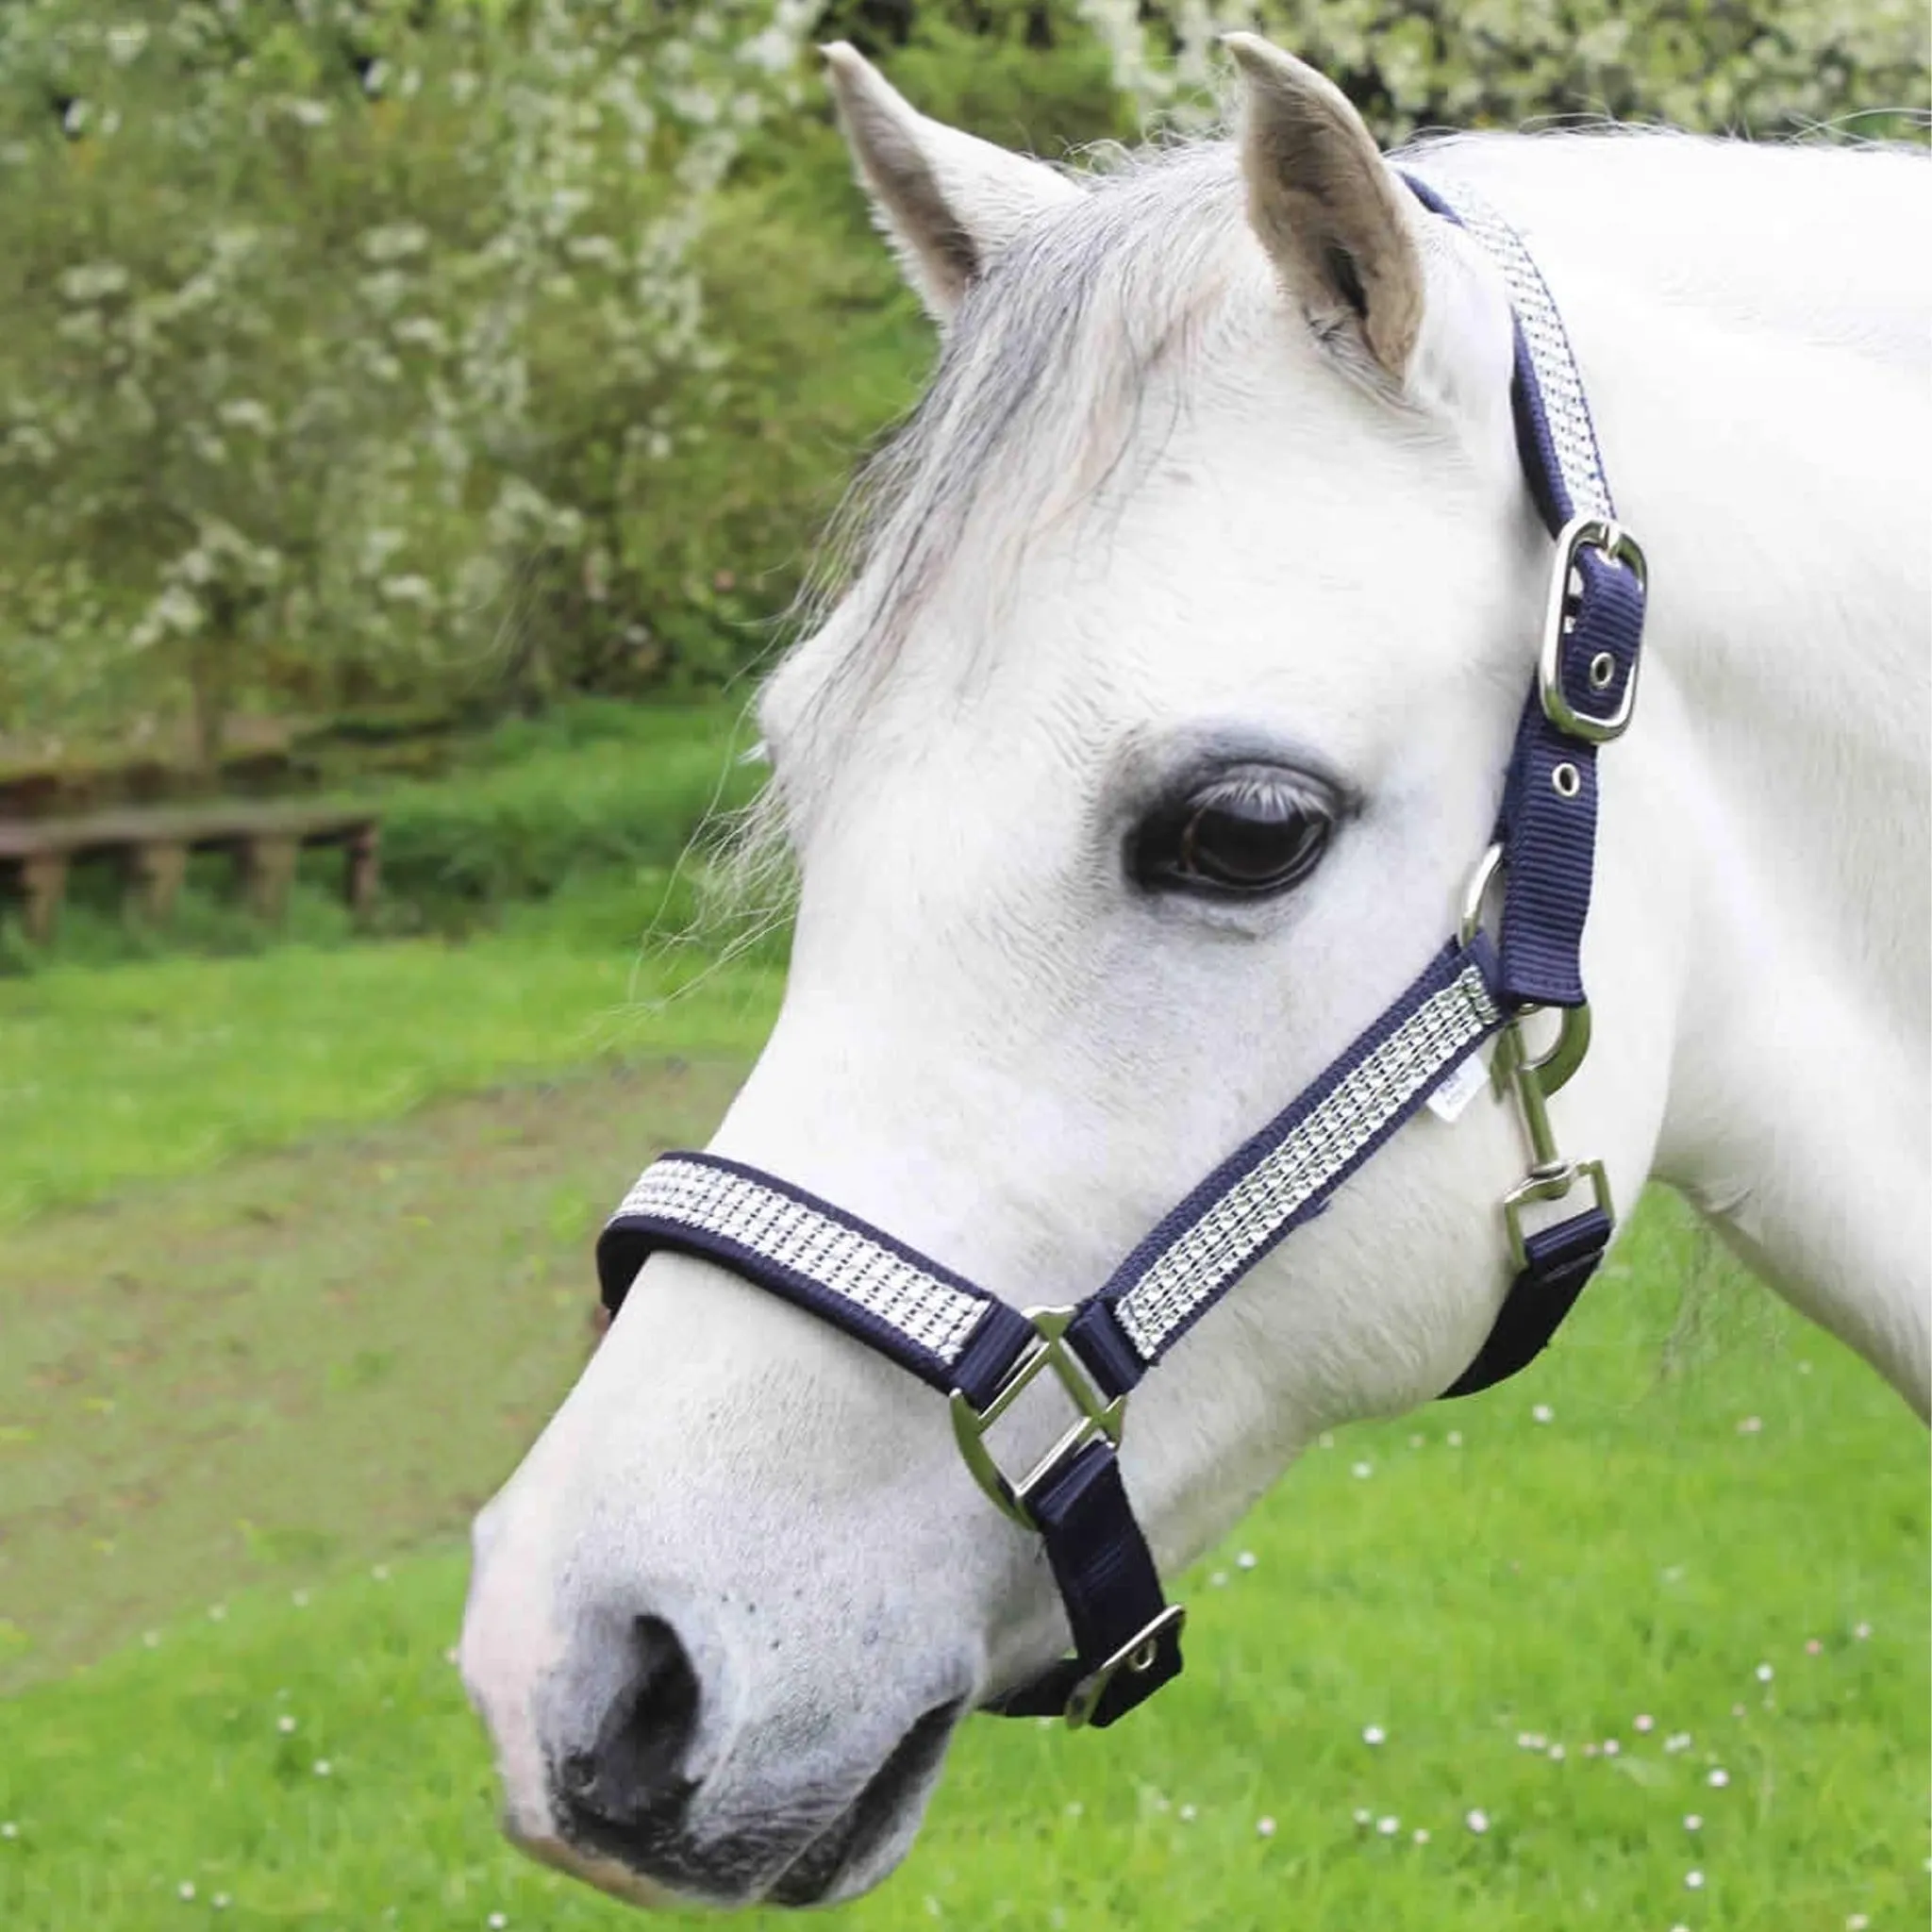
{"type": "Point", "coordinates": [1757, 376]}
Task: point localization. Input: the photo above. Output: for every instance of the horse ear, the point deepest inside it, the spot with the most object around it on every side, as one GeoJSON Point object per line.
{"type": "Point", "coordinates": [948, 202]}
{"type": "Point", "coordinates": [1326, 206]}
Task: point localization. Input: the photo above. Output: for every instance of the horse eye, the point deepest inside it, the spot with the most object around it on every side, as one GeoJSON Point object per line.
{"type": "Point", "coordinates": [1245, 834]}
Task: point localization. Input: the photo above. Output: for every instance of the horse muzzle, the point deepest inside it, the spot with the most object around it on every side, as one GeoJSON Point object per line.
{"type": "Point", "coordinates": [665, 1764]}
{"type": "Point", "coordinates": [623, 1816]}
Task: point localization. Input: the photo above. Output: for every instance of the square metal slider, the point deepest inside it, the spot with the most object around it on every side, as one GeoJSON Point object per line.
{"type": "Point", "coordinates": [1097, 1416]}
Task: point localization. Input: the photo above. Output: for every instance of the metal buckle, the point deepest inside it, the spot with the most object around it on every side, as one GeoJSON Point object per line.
{"type": "Point", "coordinates": [1615, 543]}
{"type": "Point", "coordinates": [1550, 1175]}
{"type": "Point", "coordinates": [1552, 1071]}
{"type": "Point", "coordinates": [1551, 1187]}
{"type": "Point", "coordinates": [1137, 1655]}
{"type": "Point", "coordinates": [1049, 1350]}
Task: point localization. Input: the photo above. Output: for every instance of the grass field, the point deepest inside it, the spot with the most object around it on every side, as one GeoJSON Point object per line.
{"type": "Point", "coordinates": [305, 1358]}
{"type": "Point", "coordinates": [1699, 1595]}
{"type": "Point", "coordinates": [247, 1400]}
{"type": "Point", "coordinates": [110, 1076]}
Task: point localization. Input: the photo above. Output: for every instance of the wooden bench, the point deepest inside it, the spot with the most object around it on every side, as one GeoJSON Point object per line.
{"type": "Point", "coordinates": [153, 844]}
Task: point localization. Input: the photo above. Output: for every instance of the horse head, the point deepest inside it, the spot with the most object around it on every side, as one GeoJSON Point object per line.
{"type": "Point", "coordinates": [1142, 760]}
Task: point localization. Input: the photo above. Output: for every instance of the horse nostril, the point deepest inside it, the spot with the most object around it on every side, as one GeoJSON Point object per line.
{"type": "Point", "coordinates": [632, 1776]}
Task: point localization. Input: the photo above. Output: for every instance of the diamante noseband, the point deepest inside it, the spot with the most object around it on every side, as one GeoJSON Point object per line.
{"type": "Point", "coordinates": [981, 1353]}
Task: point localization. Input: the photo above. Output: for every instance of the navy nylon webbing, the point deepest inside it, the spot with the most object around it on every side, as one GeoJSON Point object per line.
{"type": "Point", "coordinates": [1108, 1585]}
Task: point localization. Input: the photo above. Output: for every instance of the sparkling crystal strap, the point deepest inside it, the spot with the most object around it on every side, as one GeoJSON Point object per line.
{"type": "Point", "coordinates": [1288, 1170]}
{"type": "Point", "coordinates": [1541, 338]}
{"type": "Point", "coordinates": [805, 1249]}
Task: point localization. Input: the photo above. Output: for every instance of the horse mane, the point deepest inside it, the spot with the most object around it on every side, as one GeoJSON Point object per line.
{"type": "Point", "coordinates": [1040, 385]}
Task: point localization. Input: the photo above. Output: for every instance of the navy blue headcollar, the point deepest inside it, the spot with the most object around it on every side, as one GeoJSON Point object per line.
{"type": "Point", "coordinates": [980, 1352]}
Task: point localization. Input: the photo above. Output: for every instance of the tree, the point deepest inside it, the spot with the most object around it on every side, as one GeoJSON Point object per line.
{"type": "Point", "coordinates": [336, 334]}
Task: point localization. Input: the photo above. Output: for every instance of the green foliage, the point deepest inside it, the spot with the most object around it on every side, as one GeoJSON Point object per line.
{"type": "Point", "coordinates": [1759, 67]}
{"type": "Point", "coordinates": [327, 379]}
{"type": "Point", "coordinates": [1028, 74]}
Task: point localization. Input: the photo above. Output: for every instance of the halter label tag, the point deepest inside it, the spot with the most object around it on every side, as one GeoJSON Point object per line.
{"type": "Point", "coordinates": [1449, 1100]}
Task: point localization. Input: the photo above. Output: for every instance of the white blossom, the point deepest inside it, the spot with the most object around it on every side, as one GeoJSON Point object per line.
{"type": "Point", "coordinates": [394, 241]}
{"type": "Point", "coordinates": [93, 281]}
{"type": "Point", "coordinates": [243, 413]}
{"type": "Point", "coordinates": [421, 332]}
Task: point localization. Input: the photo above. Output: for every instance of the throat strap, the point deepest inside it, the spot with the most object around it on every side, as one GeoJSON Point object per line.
{"type": "Point", "coordinates": [1557, 1268]}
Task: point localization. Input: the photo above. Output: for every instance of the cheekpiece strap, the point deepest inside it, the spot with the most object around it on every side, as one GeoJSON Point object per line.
{"type": "Point", "coordinates": [1583, 697]}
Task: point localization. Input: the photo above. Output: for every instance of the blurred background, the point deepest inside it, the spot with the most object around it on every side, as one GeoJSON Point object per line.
{"type": "Point", "coordinates": [416, 420]}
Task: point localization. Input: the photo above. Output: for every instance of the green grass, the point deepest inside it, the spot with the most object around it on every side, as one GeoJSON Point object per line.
{"type": "Point", "coordinates": [166, 1067]}
{"type": "Point", "coordinates": [305, 1358]}
{"type": "Point", "coordinates": [1712, 1492]}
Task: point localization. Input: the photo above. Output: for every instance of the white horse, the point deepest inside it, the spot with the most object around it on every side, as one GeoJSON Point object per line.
{"type": "Point", "coordinates": [1143, 764]}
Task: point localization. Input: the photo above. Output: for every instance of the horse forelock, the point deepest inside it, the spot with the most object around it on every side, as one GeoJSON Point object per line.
{"type": "Point", "coordinates": [1040, 393]}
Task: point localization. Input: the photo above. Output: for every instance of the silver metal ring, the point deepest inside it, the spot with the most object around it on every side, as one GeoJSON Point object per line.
{"type": "Point", "coordinates": [1603, 667]}
{"type": "Point", "coordinates": [1567, 779]}
{"type": "Point", "coordinates": [1475, 891]}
